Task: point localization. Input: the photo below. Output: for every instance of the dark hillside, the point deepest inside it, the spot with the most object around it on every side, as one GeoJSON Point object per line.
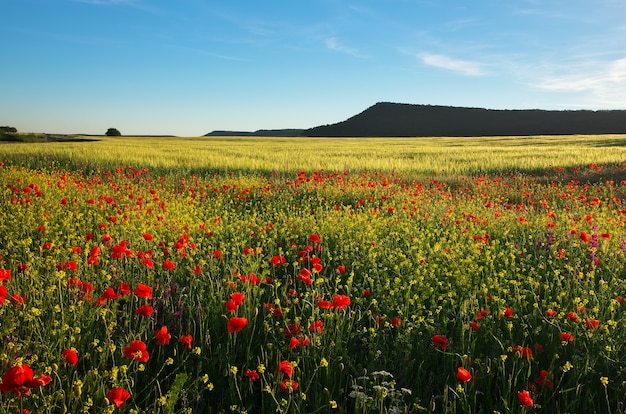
{"type": "Point", "coordinates": [397, 120]}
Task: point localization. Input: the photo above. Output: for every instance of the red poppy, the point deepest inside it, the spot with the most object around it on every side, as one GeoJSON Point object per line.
{"type": "Point", "coordinates": [289, 385]}
{"type": "Point", "coordinates": [117, 396]}
{"type": "Point", "coordinates": [542, 379]}
{"type": "Point", "coordinates": [286, 368]}
{"type": "Point", "coordinates": [231, 306]}
{"type": "Point", "coordinates": [278, 260]}
{"type": "Point", "coordinates": [316, 326]}
{"type": "Point", "coordinates": [17, 299]}
{"type": "Point", "coordinates": [395, 321]}
{"type": "Point", "coordinates": [124, 288]}
{"type": "Point", "coordinates": [463, 375]}
{"type": "Point", "coordinates": [3, 294]}
{"type": "Point", "coordinates": [566, 337]}
{"type": "Point", "coordinates": [147, 236]}
{"type": "Point", "coordinates": [440, 340]}
{"type": "Point", "coordinates": [237, 298]}
{"type": "Point", "coordinates": [550, 313]}
{"type": "Point", "coordinates": [20, 380]}
{"type": "Point", "coordinates": [572, 316]}
{"type": "Point", "coordinates": [525, 398]}
{"type": "Point", "coordinates": [70, 356]}
{"type": "Point", "coordinates": [144, 310]}
{"type": "Point", "coordinates": [252, 374]}
{"type": "Point", "coordinates": [143, 291]}
{"type": "Point", "coordinates": [292, 329]}
{"type": "Point", "coordinates": [169, 265]}
{"type": "Point", "coordinates": [584, 236]}
{"type": "Point", "coordinates": [137, 351]}
{"type": "Point", "coordinates": [341, 269]}
{"type": "Point", "coordinates": [508, 312]}
{"type": "Point", "coordinates": [109, 293]}
{"type": "Point", "coordinates": [186, 340]}
{"type": "Point", "coordinates": [304, 275]}
{"type": "Point", "coordinates": [236, 324]}
{"type": "Point", "coordinates": [314, 238]}
{"type": "Point", "coordinates": [162, 336]}
{"type": "Point", "coordinates": [341, 301]}
{"type": "Point", "coordinates": [591, 323]}
{"type": "Point", "coordinates": [5, 275]}
{"type": "Point", "coordinates": [474, 325]}
{"type": "Point", "coordinates": [324, 304]}
{"type": "Point", "coordinates": [523, 351]}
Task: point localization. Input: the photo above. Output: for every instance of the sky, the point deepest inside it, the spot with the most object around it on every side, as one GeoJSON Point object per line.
{"type": "Point", "coordinates": [188, 67]}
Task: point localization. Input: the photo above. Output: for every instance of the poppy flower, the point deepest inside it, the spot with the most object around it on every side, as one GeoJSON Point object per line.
{"type": "Point", "coordinates": [252, 374]}
{"type": "Point", "coordinates": [341, 301]}
{"type": "Point", "coordinates": [566, 337]}
{"type": "Point", "coordinates": [5, 275]}
{"type": "Point", "coordinates": [316, 326]}
{"type": "Point", "coordinates": [278, 260]}
{"type": "Point", "coordinates": [186, 340]}
{"type": "Point", "coordinates": [109, 293]}
{"type": "Point", "coordinates": [474, 325]}
{"type": "Point", "coordinates": [314, 238]}
{"type": "Point", "coordinates": [289, 385]}
{"type": "Point", "coordinates": [525, 399]}
{"type": "Point", "coordinates": [286, 368]}
{"type": "Point", "coordinates": [17, 299]}
{"type": "Point", "coordinates": [70, 356]}
{"type": "Point", "coordinates": [143, 291]}
{"type": "Point", "coordinates": [550, 313]}
{"type": "Point", "coordinates": [3, 294]}
{"type": "Point", "coordinates": [523, 351]}
{"type": "Point", "coordinates": [463, 375]}
{"type": "Point", "coordinates": [137, 351]}
{"type": "Point", "coordinates": [20, 380]}
{"type": "Point", "coordinates": [341, 269]}
{"type": "Point", "coordinates": [591, 323]}
{"type": "Point", "coordinates": [572, 316]}
{"type": "Point", "coordinates": [231, 306]}
{"type": "Point", "coordinates": [440, 340]}
{"type": "Point", "coordinates": [162, 336]}
{"type": "Point", "coordinates": [236, 324]}
{"type": "Point", "coordinates": [304, 275]}
{"type": "Point", "coordinates": [508, 312]}
{"type": "Point", "coordinates": [117, 396]}
{"type": "Point", "coordinates": [237, 298]}
{"type": "Point", "coordinates": [169, 265]}
{"type": "Point", "coordinates": [124, 288]}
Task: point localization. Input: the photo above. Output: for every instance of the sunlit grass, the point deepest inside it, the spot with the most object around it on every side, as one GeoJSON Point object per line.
{"type": "Point", "coordinates": [206, 155]}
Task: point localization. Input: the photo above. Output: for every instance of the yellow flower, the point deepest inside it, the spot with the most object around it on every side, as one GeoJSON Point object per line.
{"type": "Point", "coordinates": [162, 400]}
{"type": "Point", "coordinates": [197, 350]}
{"type": "Point", "coordinates": [260, 368]}
{"type": "Point", "coordinates": [568, 365]}
{"type": "Point", "coordinates": [233, 370]}
{"type": "Point", "coordinates": [169, 361]}
{"type": "Point", "coordinates": [324, 363]}
{"type": "Point", "coordinates": [604, 381]}
{"type": "Point", "coordinates": [333, 404]}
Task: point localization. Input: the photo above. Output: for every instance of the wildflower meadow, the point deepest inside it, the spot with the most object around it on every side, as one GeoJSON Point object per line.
{"type": "Point", "coordinates": [190, 286]}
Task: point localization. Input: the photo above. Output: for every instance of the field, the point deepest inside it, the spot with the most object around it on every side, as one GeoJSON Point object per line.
{"type": "Point", "coordinates": [264, 275]}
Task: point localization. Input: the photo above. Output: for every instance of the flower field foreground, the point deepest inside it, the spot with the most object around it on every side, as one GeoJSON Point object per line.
{"type": "Point", "coordinates": [312, 293]}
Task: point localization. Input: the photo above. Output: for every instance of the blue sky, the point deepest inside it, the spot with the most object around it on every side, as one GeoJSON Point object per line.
{"type": "Point", "coordinates": [187, 67]}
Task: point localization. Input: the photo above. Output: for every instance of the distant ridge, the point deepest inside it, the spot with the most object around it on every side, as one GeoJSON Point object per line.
{"type": "Point", "coordinates": [258, 133]}
{"type": "Point", "coordinates": [387, 119]}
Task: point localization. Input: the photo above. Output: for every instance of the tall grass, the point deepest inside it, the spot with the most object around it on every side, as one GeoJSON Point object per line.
{"type": "Point", "coordinates": [204, 155]}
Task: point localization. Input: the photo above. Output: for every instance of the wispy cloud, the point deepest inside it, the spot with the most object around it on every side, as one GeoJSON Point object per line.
{"type": "Point", "coordinates": [604, 82]}
{"type": "Point", "coordinates": [463, 67]}
{"type": "Point", "coordinates": [333, 44]}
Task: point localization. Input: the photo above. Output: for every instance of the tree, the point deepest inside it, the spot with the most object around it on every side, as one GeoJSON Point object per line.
{"type": "Point", "coordinates": [113, 132]}
{"type": "Point", "coordinates": [7, 129]}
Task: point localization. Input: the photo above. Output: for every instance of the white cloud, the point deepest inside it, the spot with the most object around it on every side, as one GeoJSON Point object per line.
{"type": "Point", "coordinates": [605, 82]}
{"type": "Point", "coordinates": [333, 44]}
{"type": "Point", "coordinates": [464, 67]}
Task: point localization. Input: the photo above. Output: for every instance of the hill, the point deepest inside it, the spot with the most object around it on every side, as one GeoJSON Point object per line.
{"type": "Point", "coordinates": [386, 119]}
{"type": "Point", "coordinates": [258, 133]}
